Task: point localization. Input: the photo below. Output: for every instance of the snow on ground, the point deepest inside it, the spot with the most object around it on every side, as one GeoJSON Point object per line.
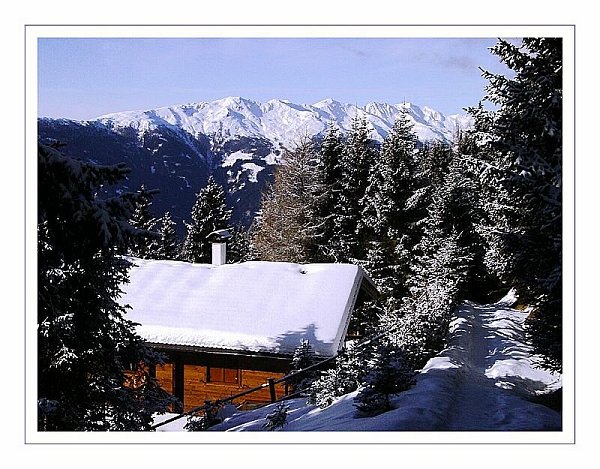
{"type": "Point", "coordinates": [253, 170]}
{"type": "Point", "coordinates": [482, 380]}
{"type": "Point", "coordinates": [235, 156]}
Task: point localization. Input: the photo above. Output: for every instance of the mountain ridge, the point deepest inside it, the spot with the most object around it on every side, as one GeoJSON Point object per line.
{"type": "Point", "coordinates": [282, 121]}
{"type": "Point", "coordinates": [238, 141]}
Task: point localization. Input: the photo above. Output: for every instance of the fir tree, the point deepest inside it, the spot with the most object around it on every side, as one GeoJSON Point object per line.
{"type": "Point", "coordinates": [447, 213]}
{"type": "Point", "coordinates": [330, 153]}
{"type": "Point", "coordinates": [358, 156]}
{"type": "Point", "coordinates": [386, 221]}
{"type": "Point", "coordinates": [144, 243]}
{"type": "Point", "coordinates": [332, 384]}
{"type": "Point", "coordinates": [522, 160]}
{"type": "Point", "coordinates": [85, 343]}
{"type": "Point", "coordinates": [304, 357]}
{"type": "Point", "coordinates": [277, 418]}
{"type": "Point", "coordinates": [441, 260]}
{"type": "Point", "coordinates": [468, 194]}
{"type": "Point", "coordinates": [208, 418]}
{"type": "Point", "coordinates": [390, 181]}
{"type": "Point", "coordinates": [240, 246]}
{"type": "Point", "coordinates": [209, 213]}
{"type": "Point", "coordinates": [347, 375]}
{"type": "Point", "coordinates": [168, 244]}
{"type": "Point", "coordinates": [389, 374]}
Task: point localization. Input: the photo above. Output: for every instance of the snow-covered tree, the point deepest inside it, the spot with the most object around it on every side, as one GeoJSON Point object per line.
{"type": "Point", "coordinates": [332, 384]}
{"type": "Point", "coordinates": [389, 374]}
{"type": "Point", "coordinates": [209, 213]}
{"type": "Point", "coordinates": [240, 246]}
{"type": "Point", "coordinates": [167, 245]}
{"type": "Point", "coordinates": [469, 195]}
{"type": "Point", "coordinates": [207, 418]}
{"type": "Point", "coordinates": [144, 243]}
{"type": "Point", "coordinates": [285, 228]}
{"type": "Point", "coordinates": [386, 221]}
{"type": "Point", "coordinates": [390, 181]}
{"type": "Point", "coordinates": [357, 158]}
{"type": "Point", "coordinates": [345, 377]}
{"type": "Point", "coordinates": [304, 356]}
{"type": "Point", "coordinates": [329, 156]}
{"type": "Point", "coordinates": [440, 251]}
{"type": "Point", "coordinates": [277, 418]}
{"type": "Point", "coordinates": [420, 324]}
{"type": "Point", "coordinates": [522, 160]}
{"type": "Point", "coordinates": [93, 370]}
{"type": "Point", "coordinates": [441, 259]}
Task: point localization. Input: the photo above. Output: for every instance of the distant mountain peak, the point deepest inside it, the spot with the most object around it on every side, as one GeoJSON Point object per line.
{"type": "Point", "coordinates": [282, 121]}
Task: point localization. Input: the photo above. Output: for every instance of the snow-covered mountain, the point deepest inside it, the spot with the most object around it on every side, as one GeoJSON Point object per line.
{"type": "Point", "coordinates": [283, 122]}
{"type": "Point", "coordinates": [237, 140]}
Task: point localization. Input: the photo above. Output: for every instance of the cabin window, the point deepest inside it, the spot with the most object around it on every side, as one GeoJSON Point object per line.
{"type": "Point", "coordinates": [222, 375]}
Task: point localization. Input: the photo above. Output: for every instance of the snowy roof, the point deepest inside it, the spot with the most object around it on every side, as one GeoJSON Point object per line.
{"type": "Point", "coordinates": [252, 306]}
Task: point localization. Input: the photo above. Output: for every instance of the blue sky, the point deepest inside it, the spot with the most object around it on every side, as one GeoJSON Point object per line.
{"type": "Point", "coordinates": [82, 78]}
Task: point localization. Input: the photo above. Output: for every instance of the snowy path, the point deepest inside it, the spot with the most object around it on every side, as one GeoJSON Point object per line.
{"type": "Point", "coordinates": [496, 375]}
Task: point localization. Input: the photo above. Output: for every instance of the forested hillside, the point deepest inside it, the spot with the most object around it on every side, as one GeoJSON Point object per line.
{"type": "Point", "coordinates": [433, 223]}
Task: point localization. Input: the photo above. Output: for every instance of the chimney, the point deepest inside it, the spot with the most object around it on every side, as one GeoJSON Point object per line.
{"type": "Point", "coordinates": [219, 253]}
{"type": "Point", "coordinates": [219, 239]}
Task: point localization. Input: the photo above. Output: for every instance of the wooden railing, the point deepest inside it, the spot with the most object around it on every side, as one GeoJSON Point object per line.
{"type": "Point", "coordinates": [269, 384]}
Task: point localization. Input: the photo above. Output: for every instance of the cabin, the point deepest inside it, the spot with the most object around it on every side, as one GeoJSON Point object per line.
{"type": "Point", "coordinates": [225, 328]}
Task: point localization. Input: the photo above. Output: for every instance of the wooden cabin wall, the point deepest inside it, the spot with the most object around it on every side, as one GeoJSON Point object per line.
{"type": "Point", "coordinates": [164, 375]}
{"type": "Point", "coordinates": [196, 388]}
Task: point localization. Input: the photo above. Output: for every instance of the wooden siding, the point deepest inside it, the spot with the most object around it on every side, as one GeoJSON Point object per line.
{"type": "Point", "coordinates": [190, 369]}
{"type": "Point", "coordinates": [196, 389]}
{"type": "Point", "coordinates": [164, 375]}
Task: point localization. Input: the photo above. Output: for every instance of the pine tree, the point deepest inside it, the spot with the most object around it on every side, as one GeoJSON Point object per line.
{"type": "Point", "coordinates": [85, 343]}
{"type": "Point", "coordinates": [332, 384]}
{"type": "Point", "coordinates": [389, 374]}
{"type": "Point", "coordinates": [469, 194]}
{"type": "Point", "coordinates": [330, 154]}
{"type": "Point", "coordinates": [240, 246]}
{"type": "Point", "coordinates": [277, 418]}
{"type": "Point", "coordinates": [209, 213]}
{"type": "Point", "coordinates": [358, 156]}
{"type": "Point", "coordinates": [346, 376]}
{"type": "Point", "coordinates": [444, 226]}
{"type": "Point", "coordinates": [144, 243]}
{"type": "Point", "coordinates": [522, 160]}
{"type": "Point", "coordinates": [390, 181]}
{"type": "Point", "coordinates": [208, 418]}
{"type": "Point", "coordinates": [168, 244]}
{"type": "Point", "coordinates": [285, 229]}
{"type": "Point", "coordinates": [441, 260]}
{"type": "Point", "coordinates": [386, 221]}
{"type": "Point", "coordinates": [303, 357]}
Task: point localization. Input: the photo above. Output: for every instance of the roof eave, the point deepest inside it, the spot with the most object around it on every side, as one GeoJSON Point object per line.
{"type": "Point", "coordinates": [225, 351]}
